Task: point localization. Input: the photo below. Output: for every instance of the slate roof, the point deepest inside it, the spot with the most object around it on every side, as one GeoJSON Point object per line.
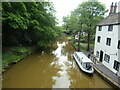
{"type": "Point", "coordinates": [111, 19]}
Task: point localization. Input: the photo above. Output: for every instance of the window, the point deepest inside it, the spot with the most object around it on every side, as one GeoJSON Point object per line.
{"type": "Point", "coordinates": [110, 27]}
{"type": "Point", "coordinates": [98, 39]}
{"type": "Point", "coordinates": [107, 58]}
{"type": "Point", "coordinates": [119, 44]}
{"type": "Point", "coordinates": [108, 42]}
{"type": "Point", "coordinates": [116, 65]}
{"type": "Point", "coordinates": [97, 54]}
{"type": "Point", "coordinates": [100, 28]}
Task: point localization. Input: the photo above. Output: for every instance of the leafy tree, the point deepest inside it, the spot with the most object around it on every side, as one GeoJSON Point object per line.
{"type": "Point", "coordinates": [73, 25]}
{"type": "Point", "coordinates": [84, 19]}
{"type": "Point", "coordinates": [28, 23]}
{"type": "Point", "coordinates": [90, 14]}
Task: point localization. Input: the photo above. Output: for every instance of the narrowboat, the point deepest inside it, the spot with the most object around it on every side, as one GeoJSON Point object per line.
{"type": "Point", "coordinates": [84, 62]}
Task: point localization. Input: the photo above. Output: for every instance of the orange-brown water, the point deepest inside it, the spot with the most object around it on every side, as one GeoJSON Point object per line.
{"type": "Point", "coordinates": [56, 69]}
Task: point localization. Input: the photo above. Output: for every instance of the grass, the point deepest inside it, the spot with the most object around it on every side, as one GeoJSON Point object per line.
{"type": "Point", "coordinates": [19, 50]}
{"type": "Point", "coordinates": [8, 58]}
{"type": "Point", "coordinates": [14, 55]}
{"type": "Point", "coordinates": [81, 47]}
{"type": "Point", "coordinates": [76, 46]}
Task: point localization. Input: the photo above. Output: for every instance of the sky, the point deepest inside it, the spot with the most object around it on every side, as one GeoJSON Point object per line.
{"type": "Point", "coordinates": [64, 7]}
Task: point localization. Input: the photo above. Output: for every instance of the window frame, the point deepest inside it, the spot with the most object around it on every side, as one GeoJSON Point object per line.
{"type": "Point", "coordinates": [107, 58]}
{"type": "Point", "coordinates": [110, 28]}
{"type": "Point", "coordinates": [116, 65]}
{"type": "Point", "coordinates": [99, 39]}
{"type": "Point", "coordinates": [118, 44]}
{"type": "Point", "coordinates": [100, 28]}
{"type": "Point", "coordinates": [108, 41]}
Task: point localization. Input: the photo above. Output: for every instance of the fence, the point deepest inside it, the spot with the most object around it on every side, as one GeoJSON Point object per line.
{"type": "Point", "coordinates": [94, 59]}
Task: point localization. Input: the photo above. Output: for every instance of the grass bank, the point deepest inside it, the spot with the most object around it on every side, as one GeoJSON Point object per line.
{"type": "Point", "coordinates": [12, 55]}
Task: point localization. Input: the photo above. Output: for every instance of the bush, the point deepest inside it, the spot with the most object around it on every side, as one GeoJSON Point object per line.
{"type": "Point", "coordinates": [19, 50]}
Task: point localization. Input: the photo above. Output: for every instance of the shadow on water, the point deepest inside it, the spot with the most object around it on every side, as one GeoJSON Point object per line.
{"type": "Point", "coordinates": [54, 69]}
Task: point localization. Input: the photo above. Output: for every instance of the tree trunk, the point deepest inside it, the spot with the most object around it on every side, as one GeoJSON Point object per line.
{"type": "Point", "coordinates": [79, 42]}
{"type": "Point", "coordinates": [88, 39]}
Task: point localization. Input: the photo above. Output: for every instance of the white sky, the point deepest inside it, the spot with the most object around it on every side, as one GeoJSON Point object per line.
{"type": "Point", "coordinates": [64, 7]}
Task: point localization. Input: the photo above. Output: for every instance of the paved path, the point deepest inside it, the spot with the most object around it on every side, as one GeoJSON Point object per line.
{"type": "Point", "coordinates": [108, 73]}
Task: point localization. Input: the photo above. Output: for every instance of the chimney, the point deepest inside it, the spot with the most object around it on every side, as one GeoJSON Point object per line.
{"type": "Point", "coordinates": [115, 7]}
{"type": "Point", "coordinates": [111, 8]}
{"type": "Point", "coordinates": [119, 7]}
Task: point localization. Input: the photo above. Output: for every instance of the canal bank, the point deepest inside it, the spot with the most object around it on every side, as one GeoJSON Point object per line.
{"type": "Point", "coordinates": [13, 55]}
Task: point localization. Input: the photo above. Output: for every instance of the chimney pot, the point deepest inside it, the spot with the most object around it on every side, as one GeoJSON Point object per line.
{"type": "Point", "coordinates": [112, 4]}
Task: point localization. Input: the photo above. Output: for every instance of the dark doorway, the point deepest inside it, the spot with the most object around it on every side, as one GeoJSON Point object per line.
{"type": "Point", "coordinates": [101, 56]}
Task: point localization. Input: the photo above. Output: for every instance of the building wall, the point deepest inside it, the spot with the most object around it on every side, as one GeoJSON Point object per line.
{"type": "Point", "coordinates": [109, 50]}
{"type": "Point", "coordinates": [119, 49]}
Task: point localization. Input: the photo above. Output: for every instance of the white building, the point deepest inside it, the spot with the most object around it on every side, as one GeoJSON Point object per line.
{"type": "Point", "coordinates": [107, 42]}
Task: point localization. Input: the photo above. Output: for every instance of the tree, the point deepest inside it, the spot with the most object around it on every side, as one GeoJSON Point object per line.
{"type": "Point", "coordinates": [28, 23]}
{"type": "Point", "coordinates": [84, 19]}
{"type": "Point", "coordinates": [90, 14]}
{"type": "Point", "coordinates": [73, 25]}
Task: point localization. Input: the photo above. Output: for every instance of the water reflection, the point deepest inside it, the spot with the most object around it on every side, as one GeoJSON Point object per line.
{"type": "Point", "coordinates": [63, 63]}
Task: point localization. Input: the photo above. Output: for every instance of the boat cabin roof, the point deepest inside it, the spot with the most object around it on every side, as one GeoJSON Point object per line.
{"type": "Point", "coordinates": [83, 57]}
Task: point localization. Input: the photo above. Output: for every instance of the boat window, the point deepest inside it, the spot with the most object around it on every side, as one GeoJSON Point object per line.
{"type": "Point", "coordinates": [75, 54]}
{"type": "Point", "coordinates": [84, 65]}
{"type": "Point", "coordinates": [88, 66]}
{"type": "Point", "coordinates": [79, 59]}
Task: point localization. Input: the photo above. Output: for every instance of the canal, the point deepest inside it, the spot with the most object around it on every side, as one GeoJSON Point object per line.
{"type": "Point", "coordinates": [56, 69]}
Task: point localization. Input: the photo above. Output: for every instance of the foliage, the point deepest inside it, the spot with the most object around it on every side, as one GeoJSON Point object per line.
{"type": "Point", "coordinates": [84, 19]}
{"type": "Point", "coordinates": [28, 23]}
{"type": "Point", "coordinates": [60, 31]}
{"type": "Point", "coordinates": [19, 50]}
{"type": "Point", "coordinates": [90, 14]}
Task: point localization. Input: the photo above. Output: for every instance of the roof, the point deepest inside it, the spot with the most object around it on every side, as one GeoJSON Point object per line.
{"type": "Point", "coordinates": [111, 19]}
{"type": "Point", "coordinates": [85, 58]}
